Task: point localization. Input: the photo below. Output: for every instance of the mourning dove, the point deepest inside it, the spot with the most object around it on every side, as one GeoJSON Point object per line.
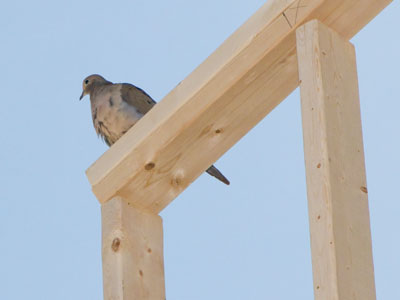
{"type": "Point", "coordinates": [117, 107]}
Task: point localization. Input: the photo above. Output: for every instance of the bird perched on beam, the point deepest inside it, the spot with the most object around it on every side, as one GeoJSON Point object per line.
{"type": "Point", "coordinates": [116, 107]}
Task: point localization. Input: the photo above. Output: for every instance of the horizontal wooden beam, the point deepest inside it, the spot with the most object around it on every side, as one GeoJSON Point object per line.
{"type": "Point", "coordinates": [218, 103]}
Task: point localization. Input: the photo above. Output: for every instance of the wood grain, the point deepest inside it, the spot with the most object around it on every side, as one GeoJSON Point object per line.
{"type": "Point", "coordinates": [216, 105]}
{"type": "Point", "coordinates": [334, 156]}
{"type": "Point", "coordinates": [133, 264]}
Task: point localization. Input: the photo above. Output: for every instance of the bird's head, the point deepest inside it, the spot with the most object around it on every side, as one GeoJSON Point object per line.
{"type": "Point", "coordinates": [90, 82]}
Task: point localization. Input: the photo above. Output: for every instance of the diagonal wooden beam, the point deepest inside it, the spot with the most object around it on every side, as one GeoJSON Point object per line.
{"type": "Point", "coordinates": [218, 103]}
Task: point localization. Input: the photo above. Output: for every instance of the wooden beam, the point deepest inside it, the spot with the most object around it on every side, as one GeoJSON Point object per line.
{"type": "Point", "coordinates": [133, 265]}
{"type": "Point", "coordinates": [334, 155]}
{"type": "Point", "coordinates": [216, 105]}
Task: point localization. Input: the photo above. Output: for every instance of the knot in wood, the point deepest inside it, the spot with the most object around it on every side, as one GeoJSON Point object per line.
{"type": "Point", "coordinates": [149, 166]}
{"type": "Point", "coordinates": [115, 244]}
{"type": "Point", "coordinates": [176, 181]}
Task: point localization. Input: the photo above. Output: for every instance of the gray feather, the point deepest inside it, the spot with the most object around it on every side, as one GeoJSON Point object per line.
{"type": "Point", "coordinates": [137, 98]}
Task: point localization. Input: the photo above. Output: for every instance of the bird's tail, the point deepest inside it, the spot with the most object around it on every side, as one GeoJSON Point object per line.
{"type": "Point", "coordinates": [213, 171]}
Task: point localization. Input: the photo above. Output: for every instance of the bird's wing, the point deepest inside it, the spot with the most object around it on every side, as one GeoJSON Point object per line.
{"type": "Point", "coordinates": [137, 98]}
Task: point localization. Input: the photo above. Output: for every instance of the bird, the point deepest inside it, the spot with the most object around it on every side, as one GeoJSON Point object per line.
{"type": "Point", "coordinates": [116, 107]}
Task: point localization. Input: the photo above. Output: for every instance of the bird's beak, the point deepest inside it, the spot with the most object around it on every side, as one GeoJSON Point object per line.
{"type": "Point", "coordinates": [83, 95]}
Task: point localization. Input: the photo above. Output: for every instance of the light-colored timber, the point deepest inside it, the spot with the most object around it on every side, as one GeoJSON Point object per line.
{"type": "Point", "coordinates": [334, 155]}
{"type": "Point", "coordinates": [133, 264]}
{"type": "Point", "coordinates": [216, 105]}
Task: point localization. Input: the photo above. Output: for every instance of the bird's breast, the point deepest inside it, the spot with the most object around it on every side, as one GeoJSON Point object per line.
{"type": "Point", "coordinates": [112, 117]}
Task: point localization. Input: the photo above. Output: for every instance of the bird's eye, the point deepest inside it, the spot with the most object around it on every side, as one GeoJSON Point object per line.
{"type": "Point", "coordinates": [86, 81]}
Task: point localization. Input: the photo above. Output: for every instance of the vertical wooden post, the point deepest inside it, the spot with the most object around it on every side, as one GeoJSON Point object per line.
{"type": "Point", "coordinates": [133, 265]}
{"type": "Point", "coordinates": [334, 156]}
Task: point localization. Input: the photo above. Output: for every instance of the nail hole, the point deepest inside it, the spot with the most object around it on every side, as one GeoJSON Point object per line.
{"type": "Point", "coordinates": [319, 166]}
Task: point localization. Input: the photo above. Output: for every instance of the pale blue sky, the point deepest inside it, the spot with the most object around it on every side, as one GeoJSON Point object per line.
{"type": "Point", "coordinates": [246, 241]}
